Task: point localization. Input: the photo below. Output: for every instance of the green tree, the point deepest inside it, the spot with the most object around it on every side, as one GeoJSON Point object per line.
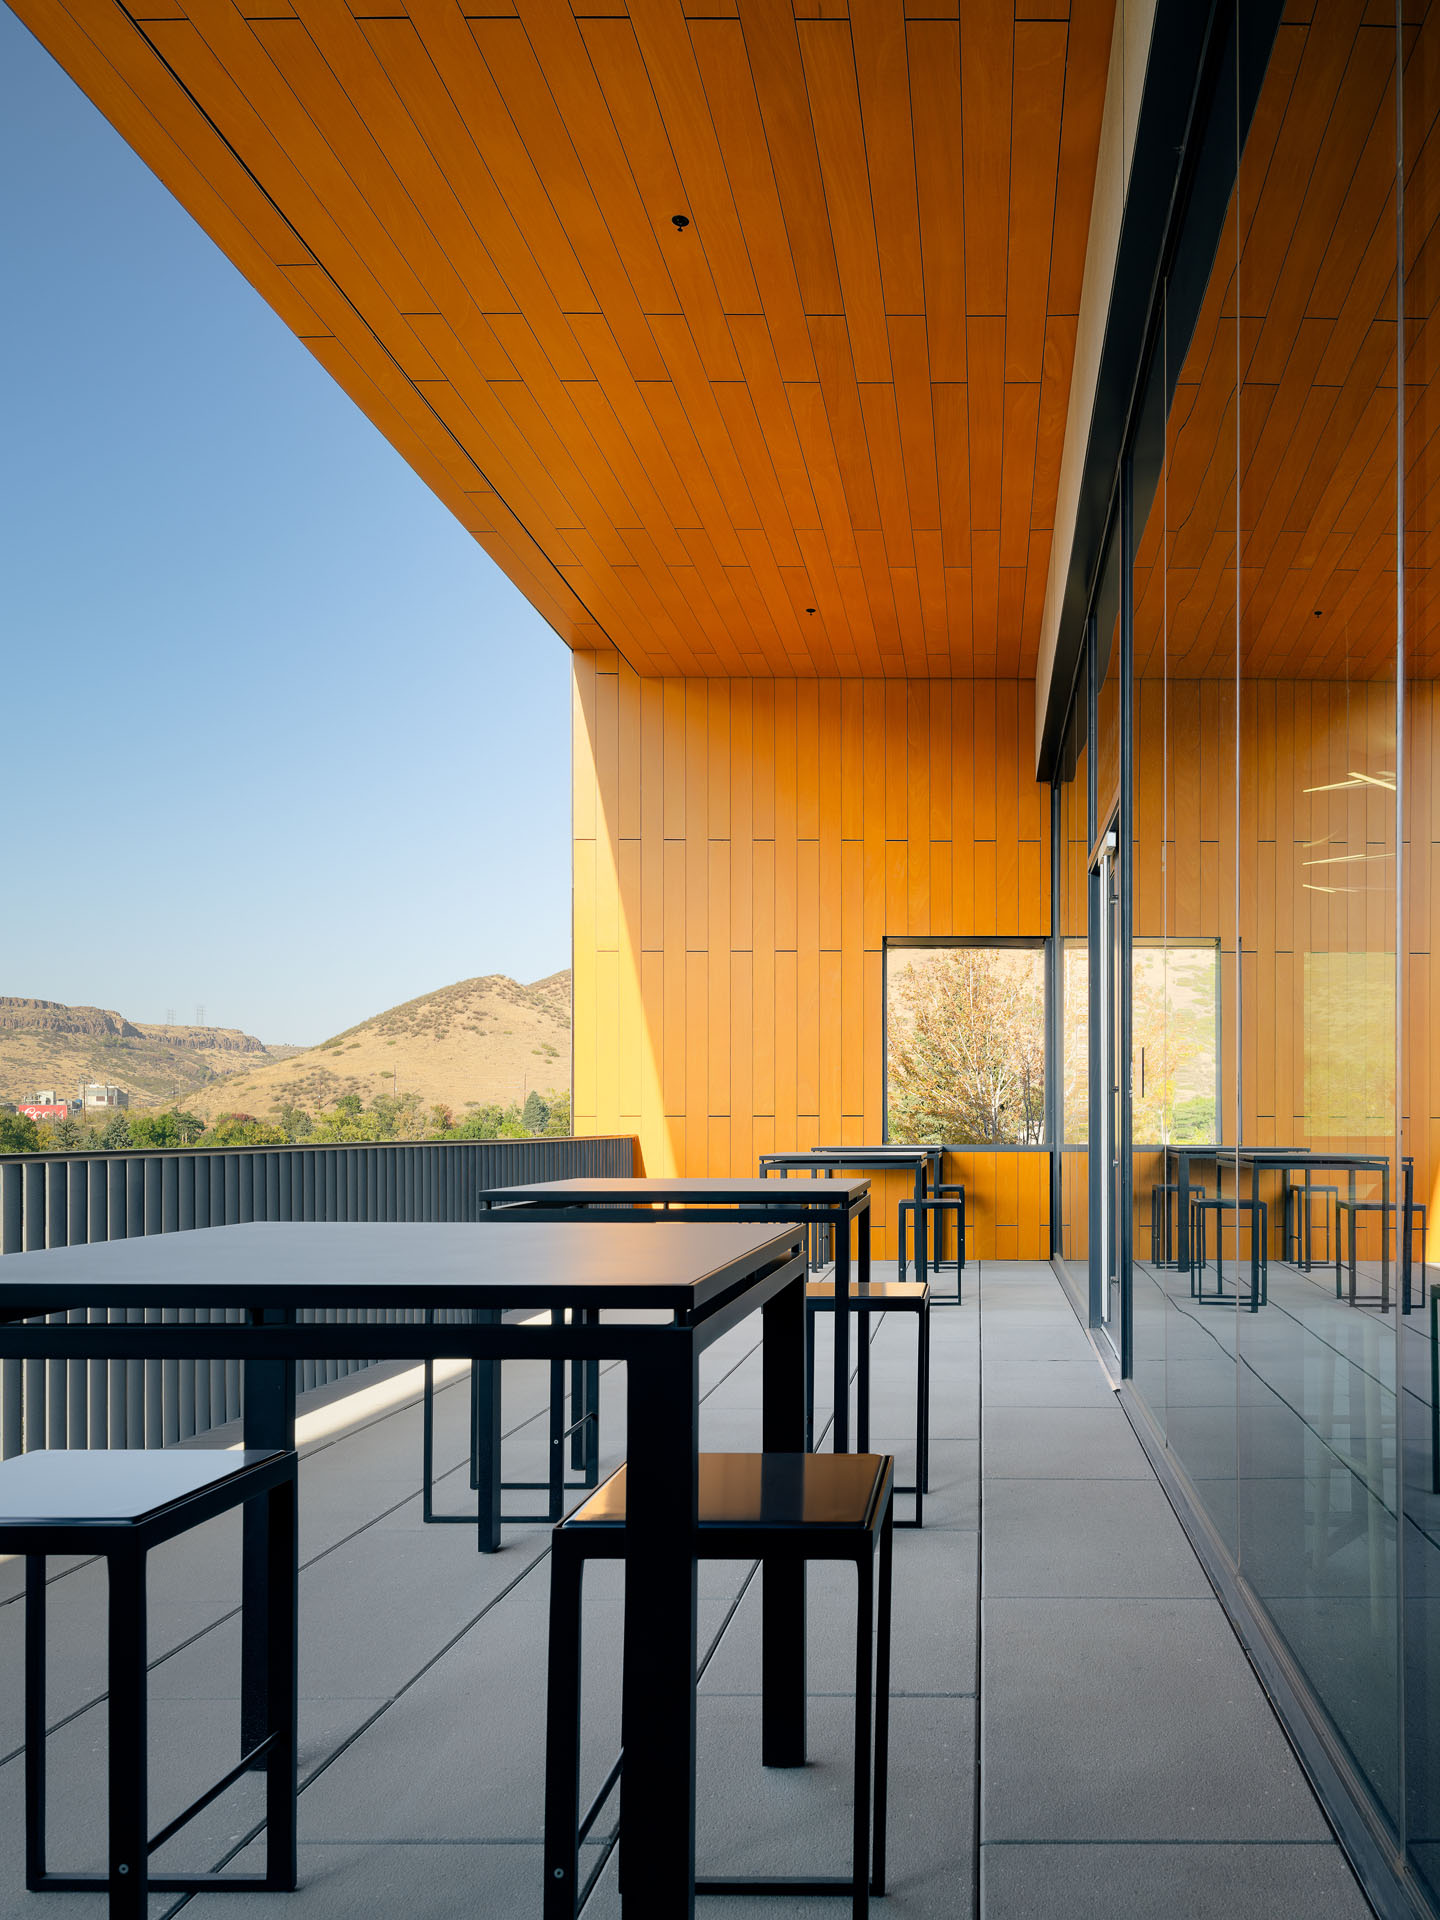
{"type": "Point", "coordinates": [442, 1120]}
{"type": "Point", "coordinates": [18, 1133]}
{"type": "Point", "coordinates": [535, 1113]}
{"type": "Point", "coordinates": [966, 1045]}
{"type": "Point", "coordinates": [63, 1136]}
{"type": "Point", "coordinates": [481, 1123]}
{"type": "Point", "coordinates": [154, 1130]}
{"type": "Point", "coordinates": [115, 1134]}
{"type": "Point", "coordinates": [558, 1125]}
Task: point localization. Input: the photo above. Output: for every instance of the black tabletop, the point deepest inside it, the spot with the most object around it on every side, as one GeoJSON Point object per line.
{"type": "Point", "coordinates": [847, 1157]}
{"type": "Point", "coordinates": [496, 1263]}
{"type": "Point", "coordinates": [703, 1192]}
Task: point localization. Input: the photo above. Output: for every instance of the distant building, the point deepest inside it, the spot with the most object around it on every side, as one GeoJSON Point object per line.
{"type": "Point", "coordinates": [46, 1109]}
{"type": "Point", "coordinates": [47, 1097]}
{"type": "Point", "coordinates": [96, 1099]}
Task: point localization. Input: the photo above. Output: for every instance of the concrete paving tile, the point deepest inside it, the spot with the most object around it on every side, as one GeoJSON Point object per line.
{"type": "Point", "coordinates": [1020, 1341]}
{"type": "Point", "coordinates": [1046, 1383]}
{"type": "Point", "coordinates": [1062, 1443]}
{"type": "Point", "coordinates": [755, 1819]}
{"type": "Point", "coordinates": [932, 1628]}
{"type": "Point", "coordinates": [1143, 1721]}
{"type": "Point", "coordinates": [1105, 1538]}
{"type": "Point", "coordinates": [954, 1496]}
{"type": "Point", "coordinates": [1161, 1882]}
{"type": "Point", "coordinates": [421, 1881]}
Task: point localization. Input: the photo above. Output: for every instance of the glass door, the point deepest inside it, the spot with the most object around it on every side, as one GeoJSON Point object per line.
{"type": "Point", "coordinates": [1109, 977]}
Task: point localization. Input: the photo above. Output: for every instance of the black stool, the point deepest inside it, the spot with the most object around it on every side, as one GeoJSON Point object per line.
{"type": "Point", "coordinates": [950, 1201]}
{"type": "Point", "coordinates": [1259, 1213]}
{"type": "Point", "coordinates": [1299, 1232]}
{"type": "Point", "coordinates": [881, 1296]}
{"type": "Point", "coordinates": [1162, 1220]}
{"type": "Point", "coordinates": [120, 1505]}
{"type": "Point", "coordinates": [753, 1506]}
{"type": "Point", "coordinates": [582, 1431]}
{"type": "Point", "coordinates": [1417, 1217]}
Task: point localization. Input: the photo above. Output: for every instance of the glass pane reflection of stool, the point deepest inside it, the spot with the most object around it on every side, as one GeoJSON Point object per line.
{"type": "Point", "coordinates": [753, 1506]}
{"type": "Point", "coordinates": [1352, 1209]}
{"type": "Point", "coordinates": [1300, 1223]}
{"type": "Point", "coordinates": [1163, 1215]}
{"type": "Point", "coordinates": [1259, 1213]}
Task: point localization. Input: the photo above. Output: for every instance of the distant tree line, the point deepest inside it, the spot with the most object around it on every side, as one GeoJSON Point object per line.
{"type": "Point", "coordinates": [387, 1117]}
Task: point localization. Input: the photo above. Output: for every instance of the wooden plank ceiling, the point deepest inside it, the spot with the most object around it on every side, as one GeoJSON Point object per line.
{"type": "Point", "coordinates": [817, 430]}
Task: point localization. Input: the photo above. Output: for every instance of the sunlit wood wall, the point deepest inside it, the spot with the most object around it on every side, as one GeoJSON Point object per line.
{"type": "Point", "coordinates": [742, 847]}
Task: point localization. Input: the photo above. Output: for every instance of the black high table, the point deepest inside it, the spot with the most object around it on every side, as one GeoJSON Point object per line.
{"type": "Point", "coordinates": [708, 1276]}
{"type": "Point", "coordinates": [843, 1205]}
{"type": "Point", "coordinates": [870, 1160]}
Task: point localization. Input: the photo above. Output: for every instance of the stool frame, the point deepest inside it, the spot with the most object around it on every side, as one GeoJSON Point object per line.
{"type": "Point", "coordinates": [582, 1432]}
{"type": "Point", "coordinates": [125, 1545]}
{"type": "Point", "coordinates": [820, 1298]}
{"type": "Point", "coordinates": [867, 1545]}
{"type": "Point", "coordinates": [1298, 1232]}
{"type": "Point", "coordinates": [951, 1200]}
{"type": "Point", "coordinates": [1220, 1205]}
{"type": "Point", "coordinates": [1160, 1252]}
{"type": "Point", "coordinates": [1417, 1221]}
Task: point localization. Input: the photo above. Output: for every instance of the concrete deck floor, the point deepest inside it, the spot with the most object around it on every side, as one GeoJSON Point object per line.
{"type": "Point", "coordinates": [1075, 1728]}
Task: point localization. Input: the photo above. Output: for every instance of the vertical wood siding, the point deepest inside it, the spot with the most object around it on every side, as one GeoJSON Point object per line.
{"type": "Point", "coordinates": [742, 847]}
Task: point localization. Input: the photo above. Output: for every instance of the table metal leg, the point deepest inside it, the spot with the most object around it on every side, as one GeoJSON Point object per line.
{"type": "Point", "coordinates": [283, 1688]}
{"type": "Point", "coordinates": [783, 1664]}
{"type": "Point", "coordinates": [487, 1406]}
{"type": "Point", "coordinates": [35, 1598]}
{"type": "Point", "coordinates": [922, 1226]}
{"type": "Point", "coordinates": [657, 1787]}
{"type": "Point", "coordinates": [1182, 1202]}
{"type": "Point", "coordinates": [841, 1443]}
{"type": "Point", "coordinates": [269, 1421]}
{"type": "Point", "coordinates": [128, 1762]}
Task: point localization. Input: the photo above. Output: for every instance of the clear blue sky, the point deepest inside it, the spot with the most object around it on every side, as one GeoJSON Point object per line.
{"type": "Point", "coordinates": [280, 738]}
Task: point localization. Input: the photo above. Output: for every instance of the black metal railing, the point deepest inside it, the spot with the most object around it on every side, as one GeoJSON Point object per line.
{"type": "Point", "coordinates": [65, 1200]}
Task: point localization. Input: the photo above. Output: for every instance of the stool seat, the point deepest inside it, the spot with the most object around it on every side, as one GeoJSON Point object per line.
{"type": "Point", "coordinates": [890, 1292]}
{"type": "Point", "coordinates": [118, 1505]}
{"type": "Point", "coordinates": [764, 1490]}
{"type": "Point", "coordinates": [75, 1486]}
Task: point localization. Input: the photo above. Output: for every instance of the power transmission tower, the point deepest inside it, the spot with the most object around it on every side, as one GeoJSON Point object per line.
{"type": "Point", "coordinates": [199, 1013]}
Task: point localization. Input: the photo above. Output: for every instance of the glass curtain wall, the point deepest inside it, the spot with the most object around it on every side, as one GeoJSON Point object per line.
{"type": "Point", "coordinates": [1418, 1084]}
{"type": "Point", "coordinates": [1073, 971]}
{"type": "Point", "coordinates": [1283, 727]}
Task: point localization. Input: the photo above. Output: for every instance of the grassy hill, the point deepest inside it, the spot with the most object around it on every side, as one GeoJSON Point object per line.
{"type": "Point", "coordinates": [481, 1040]}
{"type": "Point", "coordinates": [45, 1044]}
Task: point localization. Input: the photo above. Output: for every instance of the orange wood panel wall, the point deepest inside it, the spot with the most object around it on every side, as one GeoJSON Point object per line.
{"type": "Point", "coordinates": [742, 847]}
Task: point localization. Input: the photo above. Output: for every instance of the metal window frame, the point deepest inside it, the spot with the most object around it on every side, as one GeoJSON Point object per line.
{"type": "Point", "coordinates": [1036, 943]}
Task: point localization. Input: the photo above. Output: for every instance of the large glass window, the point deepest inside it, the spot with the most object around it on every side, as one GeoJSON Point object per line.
{"type": "Point", "coordinates": [1175, 1042]}
{"type": "Point", "coordinates": [965, 1044]}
